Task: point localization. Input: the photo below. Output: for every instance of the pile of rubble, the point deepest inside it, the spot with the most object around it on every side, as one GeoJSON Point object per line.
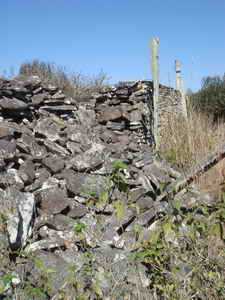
{"type": "Point", "coordinates": [77, 180]}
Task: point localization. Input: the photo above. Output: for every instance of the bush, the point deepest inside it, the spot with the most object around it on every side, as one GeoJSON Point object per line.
{"type": "Point", "coordinates": [73, 85]}
{"type": "Point", "coordinates": [211, 98]}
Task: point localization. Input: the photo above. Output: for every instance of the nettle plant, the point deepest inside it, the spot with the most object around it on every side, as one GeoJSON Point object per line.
{"type": "Point", "coordinates": [116, 180]}
{"type": "Point", "coordinates": [185, 253]}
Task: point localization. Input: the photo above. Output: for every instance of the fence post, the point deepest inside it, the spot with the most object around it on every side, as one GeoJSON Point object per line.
{"type": "Point", "coordinates": [180, 87]}
{"type": "Point", "coordinates": [155, 77]}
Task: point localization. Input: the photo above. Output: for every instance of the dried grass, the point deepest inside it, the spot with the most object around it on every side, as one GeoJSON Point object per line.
{"type": "Point", "coordinates": [74, 85]}
{"type": "Point", "coordinates": [188, 143]}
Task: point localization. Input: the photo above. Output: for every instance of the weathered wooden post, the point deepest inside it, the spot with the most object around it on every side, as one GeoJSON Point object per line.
{"type": "Point", "coordinates": [155, 77]}
{"type": "Point", "coordinates": [180, 87]}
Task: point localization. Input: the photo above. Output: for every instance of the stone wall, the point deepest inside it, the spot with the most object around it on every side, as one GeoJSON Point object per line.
{"type": "Point", "coordinates": [63, 191]}
{"type": "Point", "coordinates": [126, 108]}
{"type": "Point", "coordinates": [135, 100]}
{"type": "Point", "coordinates": [170, 106]}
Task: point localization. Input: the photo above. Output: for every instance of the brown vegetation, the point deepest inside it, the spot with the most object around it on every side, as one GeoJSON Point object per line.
{"type": "Point", "coordinates": [74, 85]}
{"type": "Point", "coordinates": [190, 142]}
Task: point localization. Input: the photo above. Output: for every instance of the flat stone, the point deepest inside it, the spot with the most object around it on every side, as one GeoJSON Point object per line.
{"type": "Point", "coordinates": [45, 244]}
{"type": "Point", "coordinates": [12, 104]}
{"type": "Point", "coordinates": [32, 82]}
{"type": "Point", "coordinates": [116, 125]}
{"type": "Point", "coordinates": [28, 168]}
{"type": "Point", "coordinates": [7, 148]}
{"type": "Point", "coordinates": [143, 160]}
{"type": "Point", "coordinates": [28, 144]}
{"type": "Point", "coordinates": [58, 96]}
{"type": "Point", "coordinates": [49, 128]}
{"type": "Point", "coordinates": [122, 93]}
{"type": "Point", "coordinates": [59, 108]}
{"type": "Point", "coordinates": [158, 176]}
{"type": "Point", "coordinates": [38, 99]}
{"type": "Point", "coordinates": [73, 147]}
{"type": "Point", "coordinates": [111, 114]}
{"type": "Point", "coordinates": [89, 160]}
{"type": "Point", "coordinates": [56, 148]}
{"type": "Point", "coordinates": [41, 176]}
{"type": "Point", "coordinates": [83, 184]}
{"type": "Point", "coordinates": [86, 116]}
{"type": "Point", "coordinates": [19, 222]}
{"type": "Point", "coordinates": [59, 275]}
{"type": "Point", "coordinates": [127, 241]}
{"type": "Point", "coordinates": [145, 203]}
{"type": "Point", "coordinates": [6, 131]}
{"type": "Point", "coordinates": [52, 200]}
{"type": "Point", "coordinates": [77, 211]}
{"type": "Point", "coordinates": [50, 88]}
{"type": "Point", "coordinates": [54, 163]}
{"type": "Point", "coordinates": [11, 177]}
{"type": "Point", "coordinates": [62, 223]}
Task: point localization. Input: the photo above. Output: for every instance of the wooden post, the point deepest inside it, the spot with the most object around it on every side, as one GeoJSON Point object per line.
{"type": "Point", "coordinates": [155, 77]}
{"type": "Point", "coordinates": [178, 74]}
{"type": "Point", "coordinates": [180, 87]}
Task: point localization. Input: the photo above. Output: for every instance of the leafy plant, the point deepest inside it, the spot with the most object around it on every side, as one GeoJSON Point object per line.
{"type": "Point", "coordinates": [6, 282]}
{"type": "Point", "coordinates": [211, 97]}
{"type": "Point", "coordinates": [117, 176]}
{"type": "Point", "coordinates": [79, 227]}
{"type": "Point", "coordinates": [184, 255]}
{"type": "Point", "coordinates": [120, 209]}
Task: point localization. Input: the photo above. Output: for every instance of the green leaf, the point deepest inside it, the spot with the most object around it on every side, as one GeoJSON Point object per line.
{"type": "Point", "coordinates": [79, 227]}
{"type": "Point", "coordinates": [119, 165]}
{"type": "Point", "coordinates": [104, 198]}
{"type": "Point", "coordinates": [169, 233]}
{"type": "Point", "coordinates": [155, 236]}
{"type": "Point", "coordinates": [120, 209]}
{"type": "Point", "coordinates": [177, 204]}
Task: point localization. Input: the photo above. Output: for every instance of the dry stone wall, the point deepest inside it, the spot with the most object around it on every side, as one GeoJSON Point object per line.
{"type": "Point", "coordinates": [58, 193]}
{"type": "Point", "coordinates": [170, 107]}
{"type": "Point", "coordinates": [135, 101]}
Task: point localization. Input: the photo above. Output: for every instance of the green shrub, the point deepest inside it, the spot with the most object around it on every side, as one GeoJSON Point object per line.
{"type": "Point", "coordinates": [211, 98]}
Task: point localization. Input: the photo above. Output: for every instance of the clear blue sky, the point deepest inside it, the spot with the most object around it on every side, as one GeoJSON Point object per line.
{"type": "Point", "coordinates": [113, 35]}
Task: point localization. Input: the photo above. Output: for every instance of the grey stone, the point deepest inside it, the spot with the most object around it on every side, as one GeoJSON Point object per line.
{"type": "Point", "coordinates": [47, 244]}
{"type": "Point", "coordinates": [77, 210]}
{"type": "Point", "coordinates": [28, 144]}
{"type": "Point", "coordinates": [60, 271]}
{"type": "Point", "coordinates": [89, 160]}
{"type": "Point", "coordinates": [54, 163]}
{"type": "Point", "coordinates": [6, 131]}
{"type": "Point", "coordinates": [11, 177]}
{"type": "Point", "coordinates": [52, 200]}
{"type": "Point", "coordinates": [28, 168]}
{"type": "Point", "coordinates": [62, 223]}
{"type": "Point", "coordinates": [38, 99]}
{"type": "Point", "coordinates": [111, 114]}
{"type": "Point", "coordinates": [56, 148]}
{"type": "Point", "coordinates": [58, 96]}
{"type": "Point", "coordinates": [83, 184]}
{"type": "Point", "coordinates": [116, 125]}
{"type": "Point", "coordinates": [19, 222]}
{"type": "Point", "coordinates": [7, 149]}
{"type": "Point", "coordinates": [48, 128]}
{"type": "Point", "coordinates": [41, 176]}
{"type": "Point", "coordinates": [73, 147]}
{"type": "Point", "coordinates": [86, 116]}
{"type": "Point", "coordinates": [12, 104]}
